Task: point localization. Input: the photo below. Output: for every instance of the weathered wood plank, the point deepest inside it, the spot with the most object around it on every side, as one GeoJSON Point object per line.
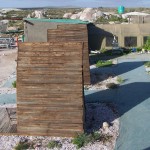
{"type": "Point", "coordinates": [52, 69]}
{"type": "Point", "coordinates": [72, 26]}
{"type": "Point", "coordinates": [47, 95]}
{"type": "Point", "coordinates": [47, 132]}
{"type": "Point", "coordinates": [50, 89]}
{"type": "Point", "coordinates": [73, 33]}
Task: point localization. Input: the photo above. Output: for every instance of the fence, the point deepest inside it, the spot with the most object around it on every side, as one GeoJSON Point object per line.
{"type": "Point", "coordinates": [50, 89]}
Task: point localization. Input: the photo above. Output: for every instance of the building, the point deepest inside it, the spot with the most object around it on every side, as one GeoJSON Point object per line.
{"type": "Point", "coordinates": [128, 35]}
{"type": "Point", "coordinates": [35, 30]}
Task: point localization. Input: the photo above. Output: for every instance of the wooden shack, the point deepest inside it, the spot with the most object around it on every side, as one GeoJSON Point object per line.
{"type": "Point", "coordinates": [50, 89]}
{"type": "Point", "coordinates": [73, 33]}
{"type": "Point", "coordinates": [57, 30]}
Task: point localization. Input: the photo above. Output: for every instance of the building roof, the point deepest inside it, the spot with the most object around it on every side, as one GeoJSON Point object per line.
{"type": "Point", "coordinates": [67, 21]}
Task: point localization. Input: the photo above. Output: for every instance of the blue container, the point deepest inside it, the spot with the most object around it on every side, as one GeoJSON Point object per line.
{"type": "Point", "coordinates": [134, 49]}
{"type": "Point", "coordinates": [121, 9]}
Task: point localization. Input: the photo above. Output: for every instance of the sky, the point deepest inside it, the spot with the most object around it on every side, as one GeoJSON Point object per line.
{"type": "Point", "coordinates": [80, 3]}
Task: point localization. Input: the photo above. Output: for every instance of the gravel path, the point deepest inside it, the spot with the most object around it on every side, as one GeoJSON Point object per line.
{"type": "Point", "coordinates": [96, 114]}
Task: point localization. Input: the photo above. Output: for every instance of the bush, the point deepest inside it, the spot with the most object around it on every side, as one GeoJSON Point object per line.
{"type": "Point", "coordinates": [147, 64]}
{"type": "Point", "coordinates": [139, 49]}
{"type": "Point", "coordinates": [102, 63]}
{"type": "Point", "coordinates": [14, 84]}
{"type": "Point", "coordinates": [22, 146]}
{"type": "Point", "coordinates": [54, 144]}
{"type": "Point", "coordinates": [120, 80]}
{"type": "Point", "coordinates": [83, 139]}
{"type": "Point", "coordinates": [147, 44]}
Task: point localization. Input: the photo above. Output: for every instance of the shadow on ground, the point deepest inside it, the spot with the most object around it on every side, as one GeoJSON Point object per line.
{"type": "Point", "coordinates": [115, 70]}
{"type": "Point", "coordinates": [126, 97]}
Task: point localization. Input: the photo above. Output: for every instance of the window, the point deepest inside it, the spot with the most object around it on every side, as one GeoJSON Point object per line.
{"type": "Point", "coordinates": [130, 41]}
{"type": "Point", "coordinates": [109, 41]}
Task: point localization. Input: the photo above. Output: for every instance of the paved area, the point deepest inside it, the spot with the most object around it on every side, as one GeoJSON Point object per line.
{"type": "Point", "coordinates": [133, 102]}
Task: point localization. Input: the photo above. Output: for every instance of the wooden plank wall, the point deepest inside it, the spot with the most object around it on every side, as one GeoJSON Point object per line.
{"type": "Point", "coordinates": [50, 89]}
{"type": "Point", "coordinates": [75, 33]}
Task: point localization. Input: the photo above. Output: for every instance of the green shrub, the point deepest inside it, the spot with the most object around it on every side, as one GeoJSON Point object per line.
{"type": "Point", "coordinates": [102, 63]}
{"type": "Point", "coordinates": [120, 80]}
{"type": "Point", "coordinates": [96, 136]}
{"type": "Point", "coordinates": [139, 49]}
{"type": "Point", "coordinates": [14, 84]}
{"type": "Point", "coordinates": [54, 144]}
{"type": "Point", "coordinates": [83, 139]}
{"type": "Point", "coordinates": [22, 146]}
{"type": "Point", "coordinates": [112, 85]}
{"type": "Point", "coordinates": [147, 44]}
{"type": "Point", "coordinates": [147, 64]}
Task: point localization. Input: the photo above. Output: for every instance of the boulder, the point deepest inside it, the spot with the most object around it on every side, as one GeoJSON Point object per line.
{"type": "Point", "coordinates": [74, 16]}
{"type": "Point", "coordinates": [99, 14]}
{"type": "Point", "coordinates": [87, 15]}
{"type": "Point", "coordinates": [67, 15]}
{"type": "Point", "coordinates": [105, 126]}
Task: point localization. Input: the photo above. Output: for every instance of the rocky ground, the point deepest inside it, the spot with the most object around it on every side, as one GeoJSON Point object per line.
{"type": "Point", "coordinates": [100, 80]}
{"type": "Point", "coordinates": [96, 114]}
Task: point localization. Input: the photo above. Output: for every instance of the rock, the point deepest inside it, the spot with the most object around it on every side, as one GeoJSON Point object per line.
{"type": "Point", "coordinates": [37, 14]}
{"type": "Point", "coordinates": [29, 16]}
{"type": "Point", "coordinates": [87, 15]}
{"type": "Point", "coordinates": [38, 145]}
{"type": "Point", "coordinates": [74, 16]}
{"type": "Point", "coordinates": [67, 15]}
{"type": "Point", "coordinates": [99, 14]}
{"type": "Point", "coordinates": [105, 126]}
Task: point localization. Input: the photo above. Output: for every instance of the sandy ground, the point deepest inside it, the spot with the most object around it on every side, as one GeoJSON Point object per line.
{"type": "Point", "coordinates": [7, 64]}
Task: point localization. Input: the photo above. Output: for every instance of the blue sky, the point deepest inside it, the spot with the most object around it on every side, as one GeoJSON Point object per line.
{"type": "Point", "coordinates": [81, 3]}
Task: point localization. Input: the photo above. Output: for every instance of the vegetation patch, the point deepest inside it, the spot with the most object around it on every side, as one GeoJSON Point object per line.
{"type": "Point", "coordinates": [120, 80]}
{"type": "Point", "coordinates": [83, 139]}
{"type": "Point", "coordinates": [14, 84]}
{"type": "Point", "coordinates": [54, 144]}
{"type": "Point", "coordinates": [23, 146]}
{"type": "Point", "coordinates": [147, 44]}
{"type": "Point", "coordinates": [139, 49]}
{"type": "Point", "coordinates": [111, 18]}
{"type": "Point", "coordinates": [147, 64]}
{"type": "Point", "coordinates": [102, 63]}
